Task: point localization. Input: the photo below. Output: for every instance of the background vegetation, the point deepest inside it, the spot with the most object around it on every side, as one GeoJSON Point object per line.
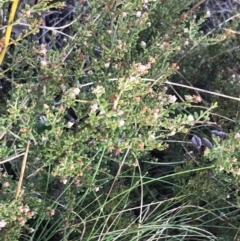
{"type": "Point", "coordinates": [119, 120]}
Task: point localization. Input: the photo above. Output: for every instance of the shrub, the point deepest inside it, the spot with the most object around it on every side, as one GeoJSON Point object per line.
{"type": "Point", "coordinates": [88, 95]}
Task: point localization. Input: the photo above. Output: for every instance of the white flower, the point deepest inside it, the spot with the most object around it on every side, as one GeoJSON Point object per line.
{"type": "Point", "coordinates": [43, 49]}
{"type": "Point", "coordinates": [121, 123]}
{"type": "Point", "coordinates": [96, 189]}
{"type": "Point", "coordinates": [45, 106]}
{"type": "Point", "coordinates": [26, 209]}
{"type": "Point", "coordinates": [90, 72]}
{"type": "Point", "coordinates": [70, 124]}
{"type": "Point", "coordinates": [237, 135]}
{"type": "Point", "coordinates": [124, 14]}
{"type": "Point", "coordinates": [120, 112]}
{"type": "Point", "coordinates": [94, 107]}
{"type": "Point", "coordinates": [44, 62]}
{"type": "Point", "coordinates": [98, 90]}
{"type": "Point", "coordinates": [172, 98]}
{"type": "Point", "coordinates": [106, 65]}
{"type": "Point", "coordinates": [64, 181]}
{"type": "Point", "coordinates": [76, 91]}
{"type": "Point", "coordinates": [62, 86]}
{"type": "Point", "coordinates": [143, 44]}
{"type": "Point", "coordinates": [2, 224]}
{"type": "Point", "coordinates": [208, 13]}
{"type": "Point", "coordinates": [119, 42]}
{"type": "Point", "coordinates": [141, 68]}
{"type": "Point", "coordinates": [190, 118]}
{"type": "Point", "coordinates": [132, 78]}
{"type": "Point", "coordinates": [138, 14]}
{"type": "Point", "coordinates": [151, 137]}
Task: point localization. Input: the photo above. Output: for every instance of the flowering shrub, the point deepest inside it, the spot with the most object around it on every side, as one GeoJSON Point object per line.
{"type": "Point", "coordinates": [92, 96]}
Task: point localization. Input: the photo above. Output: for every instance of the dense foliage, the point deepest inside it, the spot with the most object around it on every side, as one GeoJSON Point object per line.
{"type": "Point", "coordinates": [119, 120]}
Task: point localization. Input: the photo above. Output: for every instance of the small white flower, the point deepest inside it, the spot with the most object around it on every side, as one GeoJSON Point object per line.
{"type": "Point", "coordinates": [21, 208]}
{"type": "Point", "coordinates": [190, 118]}
{"type": "Point", "coordinates": [63, 87]}
{"type": "Point", "coordinates": [70, 124]}
{"type": "Point", "coordinates": [172, 133]}
{"type": "Point", "coordinates": [149, 24]}
{"type": "Point", "coordinates": [124, 14]}
{"type": "Point", "coordinates": [143, 44]}
{"type": "Point", "coordinates": [237, 135]}
{"type": "Point", "coordinates": [172, 98]}
{"type": "Point", "coordinates": [94, 107]}
{"type": "Point", "coordinates": [185, 30]}
{"type": "Point", "coordinates": [107, 65]}
{"type": "Point", "coordinates": [138, 14]}
{"type": "Point", "coordinates": [119, 41]}
{"type": "Point", "coordinates": [121, 123]}
{"type": "Point", "coordinates": [142, 68]}
{"type": "Point", "coordinates": [97, 90]}
{"type": "Point", "coordinates": [120, 112]}
{"type": "Point", "coordinates": [132, 78]}
{"type": "Point", "coordinates": [2, 224]}
{"type": "Point", "coordinates": [26, 209]}
{"type": "Point", "coordinates": [208, 13]}
{"type": "Point", "coordinates": [43, 49]}
{"type": "Point", "coordinates": [109, 31]}
{"type": "Point", "coordinates": [6, 184]}
{"type": "Point", "coordinates": [64, 181]}
{"type": "Point", "coordinates": [44, 62]}
{"type": "Point", "coordinates": [96, 189]}
{"type": "Point", "coordinates": [90, 72]}
{"type": "Point", "coordinates": [45, 106]}
{"type": "Point", "coordinates": [151, 137]}
{"type": "Point", "coordinates": [76, 91]}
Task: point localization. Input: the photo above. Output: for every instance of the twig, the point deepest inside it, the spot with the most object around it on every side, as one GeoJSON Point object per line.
{"type": "Point", "coordinates": [9, 29]}
{"type": "Point", "coordinates": [192, 9]}
{"type": "Point", "coordinates": [202, 90]}
{"type": "Point", "coordinates": [22, 170]}
{"type": "Point", "coordinates": [11, 158]}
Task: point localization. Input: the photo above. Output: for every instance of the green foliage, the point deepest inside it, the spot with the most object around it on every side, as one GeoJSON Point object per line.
{"type": "Point", "coordinates": [94, 98]}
